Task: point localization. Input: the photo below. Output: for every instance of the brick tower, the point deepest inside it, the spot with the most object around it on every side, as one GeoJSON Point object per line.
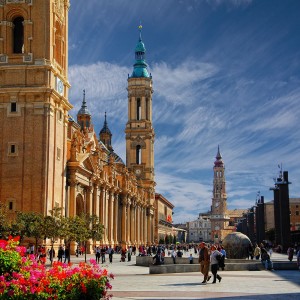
{"type": "Point", "coordinates": [33, 103]}
{"type": "Point", "coordinates": [219, 219]}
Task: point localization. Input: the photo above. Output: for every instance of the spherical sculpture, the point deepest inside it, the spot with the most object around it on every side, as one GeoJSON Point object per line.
{"type": "Point", "coordinates": [236, 245]}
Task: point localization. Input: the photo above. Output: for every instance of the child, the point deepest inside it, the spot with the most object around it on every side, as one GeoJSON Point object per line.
{"type": "Point", "coordinates": [191, 258]}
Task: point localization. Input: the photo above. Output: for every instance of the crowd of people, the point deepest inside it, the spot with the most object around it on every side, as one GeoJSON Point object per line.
{"type": "Point", "coordinates": [209, 256]}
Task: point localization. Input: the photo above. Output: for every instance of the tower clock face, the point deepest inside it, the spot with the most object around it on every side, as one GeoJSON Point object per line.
{"type": "Point", "coordinates": [59, 86]}
{"type": "Point", "coordinates": [138, 172]}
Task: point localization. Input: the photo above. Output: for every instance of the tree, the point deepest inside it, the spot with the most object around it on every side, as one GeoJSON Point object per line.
{"type": "Point", "coordinates": [53, 226]}
{"type": "Point", "coordinates": [170, 238]}
{"type": "Point", "coordinates": [31, 225]}
{"type": "Point", "coordinates": [74, 229]}
{"type": "Point", "coordinates": [161, 241]}
{"type": "Point", "coordinates": [174, 239]}
{"type": "Point", "coordinates": [96, 228]}
{"type": "Point", "coordinates": [4, 225]}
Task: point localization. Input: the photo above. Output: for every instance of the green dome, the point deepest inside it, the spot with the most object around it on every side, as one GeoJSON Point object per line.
{"type": "Point", "coordinates": [140, 66]}
{"type": "Point", "coordinates": [140, 47]}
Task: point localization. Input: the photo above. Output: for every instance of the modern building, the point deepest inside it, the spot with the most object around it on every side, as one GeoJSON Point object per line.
{"type": "Point", "coordinates": [294, 214]}
{"type": "Point", "coordinates": [49, 159]}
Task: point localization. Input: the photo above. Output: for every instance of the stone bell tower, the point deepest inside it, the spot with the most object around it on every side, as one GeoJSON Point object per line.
{"type": "Point", "coordinates": [219, 219]}
{"type": "Point", "coordinates": [33, 103]}
{"type": "Point", "coordinates": [139, 131]}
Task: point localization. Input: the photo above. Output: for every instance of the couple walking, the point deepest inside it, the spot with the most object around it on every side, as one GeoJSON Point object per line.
{"type": "Point", "coordinates": [206, 259]}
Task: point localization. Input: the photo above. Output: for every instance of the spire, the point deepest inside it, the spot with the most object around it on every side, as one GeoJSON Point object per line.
{"type": "Point", "coordinates": [219, 162]}
{"type": "Point", "coordinates": [140, 66]}
{"type": "Point", "coordinates": [105, 128]}
{"type": "Point", "coordinates": [140, 29]}
{"type": "Point", "coordinates": [105, 135]}
{"type": "Point", "coordinates": [84, 110]}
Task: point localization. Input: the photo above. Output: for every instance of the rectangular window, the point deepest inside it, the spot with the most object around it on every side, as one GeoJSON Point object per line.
{"type": "Point", "coordinates": [58, 153]}
{"type": "Point", "coordinates": [59, 115]}
{"type": "Point", "coordinates": [13, 107]}
{"type": "Point", "coordinates": [297, 213]}
{"type": "Point", "coordinates": [10, 205]}
{"type": "Point", "coordinates": [12, 149]}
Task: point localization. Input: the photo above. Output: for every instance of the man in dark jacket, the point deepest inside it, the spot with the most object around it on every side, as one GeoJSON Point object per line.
{"type": "Point", "coordinates": [204, 260]}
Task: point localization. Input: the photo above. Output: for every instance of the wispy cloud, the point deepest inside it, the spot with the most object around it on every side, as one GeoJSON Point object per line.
{"type": "Point", "coordinates": [224, 73]}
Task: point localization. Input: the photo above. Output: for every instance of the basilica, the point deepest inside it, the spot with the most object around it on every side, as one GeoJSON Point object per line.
{"type": "Point", "coordinates": [49, 159]}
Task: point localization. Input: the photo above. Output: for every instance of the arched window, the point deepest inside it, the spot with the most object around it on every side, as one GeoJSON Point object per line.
{"type": "Point", "coordinates": [58, 43]}
{"type": "Point", "coordinates": [138, 109]}
{"type": "Point", "coordinates": [147, 109]}
{"type": "Point", "coordinates": [18, 35]}
{"type": "Point", "coordinates": [138, 154]}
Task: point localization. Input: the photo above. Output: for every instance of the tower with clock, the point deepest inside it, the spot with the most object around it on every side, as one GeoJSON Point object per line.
{"type": "Point", "coordinates": [139, 130]}
{"type": "Point", "coordinates": [33, 103]}
{"type": "Point", "coordinates": [219, 219]}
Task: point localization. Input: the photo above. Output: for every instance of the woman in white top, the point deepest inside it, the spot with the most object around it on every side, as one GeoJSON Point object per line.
{"type": "Point", "coordinates": [214, 263]}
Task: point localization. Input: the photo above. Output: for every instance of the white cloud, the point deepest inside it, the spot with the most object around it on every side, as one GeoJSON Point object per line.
{"type": "Point", "coordinates": [179, 84]}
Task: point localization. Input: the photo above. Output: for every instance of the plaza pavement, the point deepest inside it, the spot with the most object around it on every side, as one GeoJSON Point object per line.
{"type": "Point", "coordinates": [135, 282]}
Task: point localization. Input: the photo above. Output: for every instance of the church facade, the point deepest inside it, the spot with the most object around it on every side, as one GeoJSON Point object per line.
{"type": "Point", "coordinates": [49, 159]}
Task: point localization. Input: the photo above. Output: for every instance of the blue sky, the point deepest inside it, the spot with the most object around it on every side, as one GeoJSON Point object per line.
{"type": "Point", "coordinates": [225, 72]}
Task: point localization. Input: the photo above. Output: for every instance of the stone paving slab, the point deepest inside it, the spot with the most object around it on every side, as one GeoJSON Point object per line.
{"type": "Point", "coordinates": [134, 282]}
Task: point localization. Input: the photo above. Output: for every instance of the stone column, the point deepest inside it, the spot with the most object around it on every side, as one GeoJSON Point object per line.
{"type": "Point", "coordinates": [128, 240]}
{"type": "Point", "coordinates": [102, 213]}
{"type": "Point", "coordinates": [101, 206]}
{"type": "Point", "coordinates": [88, 200]}
{"type": "Point", "coordinates": [142, 225]}
{"type": "Point", "coordinates": [124, 227]}
{"type": "Point", "coordinates": [137, 225]}
{"type": "Point", "coordinates": [149, 227]}
{"type": "Point", "coordinates": [133, 222]}
{"type": "Point", "coordinates": [105, 216]}
{"type": "Point", "coordinates": [110, 218]}
{"type": "Point", "coordinates": [145, 225]}
{"type": "Point", "coordinates": [72, 200]}
{"type": "Point", "coordinates": [116, 218]}
{"type": "Point", "coordinates": [95, 201]}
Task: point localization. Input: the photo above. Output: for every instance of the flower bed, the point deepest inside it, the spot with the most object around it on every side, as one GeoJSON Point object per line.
{"type": "Point", "coordinates": [23, 277]}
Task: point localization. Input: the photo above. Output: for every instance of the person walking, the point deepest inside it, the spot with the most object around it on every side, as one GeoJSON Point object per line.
{"type": "Point", "coordinates": [97, 253]}
{"type": "Point", "coordinates": [110, 252]}
{"type": "Point", "coordinates": [173, 254]}
{"type": "Point", "coordinates": [67, 255]}
{"type": "Point", "coordinates": [204, 261]}
{"type": "Point", "coordinates": [290, 253]}
{"type": "Point", "coordinates": [222, 261]}
{"type": "Point", "coordinates": [215, 256]}
{"type": "Point", "coordinates": [51, 254]}
{"type": "Point", "coordinates": [266, 260]}
{"type": "Point", "coordinates": [102, 253]}
{"type": "Point", "coordinates": [60, 253]}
